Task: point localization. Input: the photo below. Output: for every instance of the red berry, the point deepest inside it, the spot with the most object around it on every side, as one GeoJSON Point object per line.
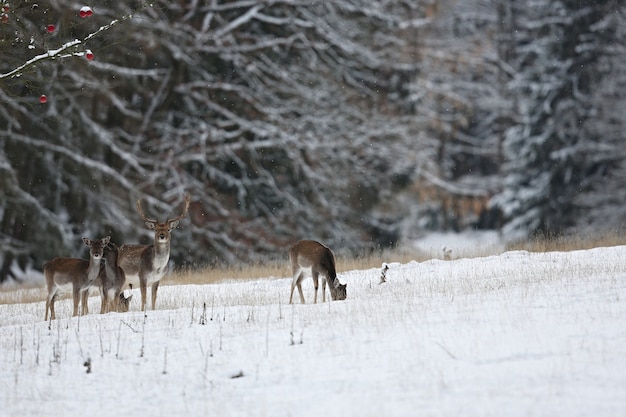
{"type": "Point", "coordinates": [85, 11]}
{"type": "Point", "coordinates": [51, 28]}
{"type": "Point", "coordinates": [43, 99]}
{"type": "Point", "coordinates": [89, 55]}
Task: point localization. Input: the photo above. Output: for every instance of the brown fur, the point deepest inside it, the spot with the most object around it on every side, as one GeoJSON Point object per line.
{"type": "Point", "coordinates": [146, 265]}
{"type": "Point", "coordinates": [112, 279]}
{"type": "Point", "coordinates": [309, 254]}
{"type": "Point", "coordinates": [80, 274]}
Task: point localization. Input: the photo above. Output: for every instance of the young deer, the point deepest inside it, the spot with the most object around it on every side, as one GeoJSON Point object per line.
{"type": "Point", "coordinates": [147, 264]}
{"type": "Point", "coordinates": [64, 275]}
{"type": "Point", "coordinates": [312, 258]}
{"type": "Point", "coordinates": [112, 280]}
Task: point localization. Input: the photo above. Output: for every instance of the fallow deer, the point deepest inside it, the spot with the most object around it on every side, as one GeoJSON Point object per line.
{"type": "Point", "coordinates": [112, 280]}
{"type": "Point", "coordinates": [147, 264]}
{"type": "Point", "coordinates": [309, 257]}
{"type": "Point", "coordinates": [64, 275]}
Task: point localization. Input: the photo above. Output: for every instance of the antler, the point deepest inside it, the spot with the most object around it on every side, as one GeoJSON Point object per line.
{"type": "Point", "coordinates": [142, 215]}
{"type": "Point", "coordinates": [185, 208]}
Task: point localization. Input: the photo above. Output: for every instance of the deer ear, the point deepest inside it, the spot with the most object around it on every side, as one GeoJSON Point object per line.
{"type": "Point", "coordinates": [150, 225]}
{"type": "Point", "coordinates": [87, 241]}
{"type": "Point", "coordinates": [174, 224]}
{"type": "Point", "coordinates": [106, 240]}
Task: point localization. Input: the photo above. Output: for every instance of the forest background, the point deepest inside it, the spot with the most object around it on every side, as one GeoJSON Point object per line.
{"type": "Point", "coordinates": [359, 123]}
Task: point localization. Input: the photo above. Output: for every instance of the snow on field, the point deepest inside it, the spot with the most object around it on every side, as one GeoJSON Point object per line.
{"type": "Point", "coordinates": [458, 245]}
{"type": "Point", "coordinates": [516, 334]}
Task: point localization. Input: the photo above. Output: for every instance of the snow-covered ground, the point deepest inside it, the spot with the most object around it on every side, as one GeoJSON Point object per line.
{"type": "Point", "coordinates": [458, 245]}
{"type": "Point", "coordinates": [516, 334]}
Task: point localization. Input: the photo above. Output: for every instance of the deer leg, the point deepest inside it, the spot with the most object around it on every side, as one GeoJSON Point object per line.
{"type": "Point", "coordinates": [324, 289]}
{"type": "Point", "coordinates": [48, 302]}
{"type": "Point", "coordinates": [115, 302]}
{"type": "Point", "coordinates": [296, 281]}
{"type": "Point", "coordinates": [52, 300]}
{"type": "Point", "coordinates": [143, 289]}
{"type": "Point", "coordinates": [155, 287]}
{"type": "Point", "coordinates": [293, 287]}
{"type": "Point", "coordinates": [300, 291]}
{"type": "Point", "coordinates": [84, 295]}
{"type": "Point", "coordinates": [112, 297]}
{"type": "Point", "coordinates": [315, 277]}
{"type": "Point", "coordinates": [76, 299]}
{"type": "Point", "coordinates": [105, 301]}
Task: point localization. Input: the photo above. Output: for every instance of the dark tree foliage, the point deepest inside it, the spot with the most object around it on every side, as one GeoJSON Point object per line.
{"type": "Point", "coordinates": [357, 123]}
{"type": "Point", "coordinates": [552, 155]}
{"type": "Point", "coordinates": [266, 112]}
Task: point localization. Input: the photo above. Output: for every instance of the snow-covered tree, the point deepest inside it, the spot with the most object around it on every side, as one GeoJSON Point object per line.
{"type": "Point", "coordinates": [456, 103]}
{"type": "Point", "coordinates": [274, 115]}
{"type": "Point", "coordinates": [601, 209]}
{"type": "Point", "coordinates": [296, 119]}
{"type": "Point", "coordinates": [551, 156]}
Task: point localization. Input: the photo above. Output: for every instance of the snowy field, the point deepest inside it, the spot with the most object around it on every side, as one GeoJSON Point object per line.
{"type": "Point", "coordinates": [518, 334]}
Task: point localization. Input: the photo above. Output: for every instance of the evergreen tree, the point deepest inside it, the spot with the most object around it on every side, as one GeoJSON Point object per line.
{"type": "Point", "coordinates": [550, 155]}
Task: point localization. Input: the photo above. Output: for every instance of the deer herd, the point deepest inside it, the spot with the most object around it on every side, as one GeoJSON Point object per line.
{"type": "Point", "coordinates": [112, 269]}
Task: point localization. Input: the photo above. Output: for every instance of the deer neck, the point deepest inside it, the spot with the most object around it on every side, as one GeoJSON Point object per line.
{"type": "Point", "coordinates": [110, 265]}
{"type": "Point", "coordinates": [161, 254]}
{"type": "Point", "coordinates": [93, 270]}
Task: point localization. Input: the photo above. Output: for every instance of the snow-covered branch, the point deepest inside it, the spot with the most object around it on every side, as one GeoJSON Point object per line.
{"type": "Point", "coordinates": [69, 49]}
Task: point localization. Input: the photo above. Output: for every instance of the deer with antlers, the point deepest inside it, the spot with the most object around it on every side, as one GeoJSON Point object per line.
{"type": "Point", "coordinates": [147, 264]}
{"type": "Point", "coordinates": [65, 275]}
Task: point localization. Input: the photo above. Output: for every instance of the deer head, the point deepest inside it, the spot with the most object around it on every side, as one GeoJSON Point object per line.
{"type": "Point", "coordinates": [162, 230]}
{"type": "Point", "coordinates": [96, 247]}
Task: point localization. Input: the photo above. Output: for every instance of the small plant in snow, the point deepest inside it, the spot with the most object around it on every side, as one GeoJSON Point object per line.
{"type": "Point", "coordinates": [383, 274]}
{"type": "Point", "coordinates": [87, 365]}
{"type": "Point", "coordinates": [202, 320]}
{"type": "Point", "coordinates": [236, 375]}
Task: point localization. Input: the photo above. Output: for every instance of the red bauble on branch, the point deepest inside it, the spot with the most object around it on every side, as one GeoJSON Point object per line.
{"type": "Point", "coordinates": [85, 11]}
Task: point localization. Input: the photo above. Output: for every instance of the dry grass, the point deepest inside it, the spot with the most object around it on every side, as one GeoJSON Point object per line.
{"type": "Point", "coordinates": [542, 243]}
{"type": "Point", "coordinates": [279, 268]}
{"type": "Point", "coordinates": [14, 295]}
{"type": "Point", "coordinates": [211, 275]}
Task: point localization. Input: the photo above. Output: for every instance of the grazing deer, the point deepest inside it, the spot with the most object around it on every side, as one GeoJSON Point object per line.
{"type": "Point", "coordinates": [64, 275]}
{"type": "Point", "coordinates": [147, 264]}
{"type": "Point", "coordinates": [312, 258]}
{"type": "Point", "coordinates": [112, 280]}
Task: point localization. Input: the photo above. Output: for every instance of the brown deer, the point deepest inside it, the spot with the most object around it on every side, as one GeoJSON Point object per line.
{"type": "Point", "coordinates": [147, 264]}
{"type": "Point", "coordinates": [65, 275]}
{"type": "Point", "coordinates": [309, 257]}
{"type": "Point", "coordinates": [112, 280]}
